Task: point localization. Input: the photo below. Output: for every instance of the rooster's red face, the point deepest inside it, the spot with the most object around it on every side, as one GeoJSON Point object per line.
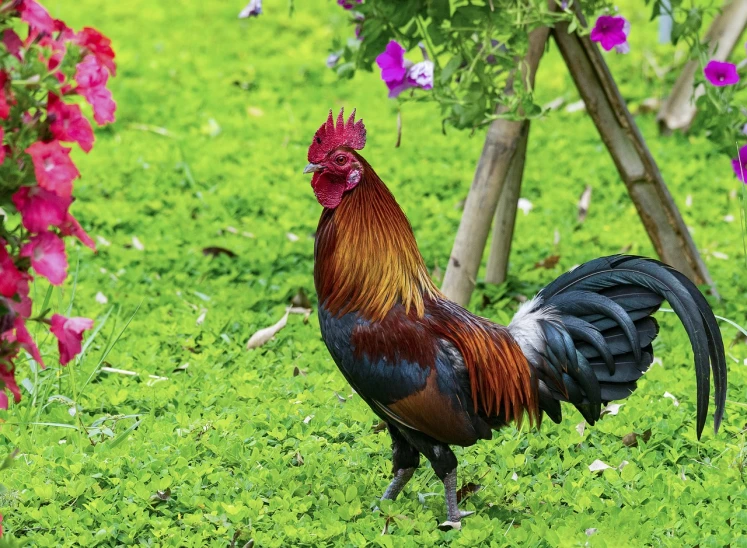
{"type": "Point", "coordinates": [333, 161]}
{"type": "Point", "coordinates": [339, 172]}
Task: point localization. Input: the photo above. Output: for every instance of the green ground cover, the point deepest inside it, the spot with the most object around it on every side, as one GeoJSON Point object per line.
{"type": "Point", "coordinates": [224, 444]}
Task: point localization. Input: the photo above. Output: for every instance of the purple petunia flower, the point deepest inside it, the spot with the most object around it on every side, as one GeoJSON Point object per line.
{"type": "Point", "coordinates": [739, 164]}
{"type": "Point", "coordinates": [721, 74]}
{"type": "Point", "coordinates": [393, 64]}
{"type": "Point", "coordinates": [252, 9]}
{"type": "Point", "coordinates": [349, 4]}
{"type": "Point", "coordinates": [611, 31]}
{"type": "Point", "coordinates": [400, 74]}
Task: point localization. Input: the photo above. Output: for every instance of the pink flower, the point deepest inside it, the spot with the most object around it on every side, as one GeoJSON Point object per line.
{"type": "Point", "coordinates": [721, 74]}
{"type": "Point", "coordinates": [36, 16]}
{"type": "Point", "coordinates": [7, 376]}
{"type": "Point", "coordinates": [393, 64]}
{"type": "Point", "coordinates": [69, 333]}
{"type": "Point", "coordinates": [54, 169]}
{"type": "Point", "coordinates": [13, 43]}
{"type": "Point", "coordinates": [40, 208]}
{"type": "Point", "coordinates": [739, 164]}
{"type": "Point", "coordinates": [4, 104]}
{"type": "Point", "coordinates": [348, 4]}
{"type": "Point", "coordinates": [10, 276]}
{"type": "Point", "coordinates": [400, 74]}
{"type": "Point", "coordinates": [98, 45]}
{"type": "Point", "coordinates": [23, 337]}
{"type": "Point", "coordinates": [71, 227]}
{"type": "Point", "coordinates": [47, 253]}
{"type": "Point", "coordinates": [91, 78]}
{"type": "Point", "coordinates": [22, 307]}
{"type": "Point", "coordinates": [612, 32]}
{"type": "Point", "coordinates": [68, 123]}
{"type": "Point", "coordinates": [57, 49]}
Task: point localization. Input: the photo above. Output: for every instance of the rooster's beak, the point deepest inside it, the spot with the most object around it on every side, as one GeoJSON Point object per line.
{"type": "Point", "coordinates": [312, 168]}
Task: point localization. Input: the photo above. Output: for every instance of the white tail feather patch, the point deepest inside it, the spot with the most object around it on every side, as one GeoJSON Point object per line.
{"type": "Point", "coordinates": [526, 330]}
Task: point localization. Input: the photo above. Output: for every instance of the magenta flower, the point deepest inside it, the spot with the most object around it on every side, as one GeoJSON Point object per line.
{"type": "Point", "coordinates": [252, 9]}
{"type": "Point", "coordinates": [721, 74]}
{"type": "Point", "coordinates": [400, 74]}
{"type": "Point", "coordinates": [611, 31]}
{"type": "Point", "coordinates": [23, 337]}
{"type": "Point", "coordinates": [99, 46]}
{"type": "Point", "coordinates": [36, 16]}
{"type": "Point", "coordinates": [47, 253]}
{"type": "Point", "coordinates": [349, 4]}
{"type": "Point", "coordinates": [71, 227]}
{"type": "Point", "coordinates": [54, 169]}
{"type": "Point", "coordinates": [10, 276]}
{"type": "Point", "coordinates": [13, 43]}
{"type": "Point", "coordinates": [69, 333]}
{"type": "Point", "coordinates": [4, 104]}
{"type": "Point", "coordinates": [68, 123]}
{"type": "Point", "coordinates": [23, 306]}
{"type": "Point", "coordinates": [739, 164]}
{"type": "Point", "coordinates": [91, 78]}
{"type": "Point", "coordinates": [8, 377]}
{"type": "Point", "coordinates": [40, 208]}
{"type": "Point", "coordinates": [393, 64]}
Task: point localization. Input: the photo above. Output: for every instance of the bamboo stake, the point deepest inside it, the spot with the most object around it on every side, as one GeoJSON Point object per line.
{"type": "Point", "coordinates": [634, 162]}
{"type": "Point", "coordinates": [505, 213]}
{"type": "Point", "coordinates": [502, 140]}
{"type": "Point", "coordinates": [678, 110]}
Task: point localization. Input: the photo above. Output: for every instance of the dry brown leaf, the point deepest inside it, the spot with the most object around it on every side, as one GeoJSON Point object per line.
{"type": "Point", "coordinates": [215, 251]}
{"type": "Point", "coordinates": [583, 204]}
{"type": "Point", "coordinates": [380, 427]}
{"type": "Point", "coordinates": [467, 490]}
{"type": "Point", "coordinates": [548, 262]}
{"type": "Point", "coordinates": [264, 335]}
{"type": "Point", "coordinates": [298, 459]}
{"type": "Point", "coordinates": [630, 440]}
{"type": "Point", "coordinates": [297, 372]}
{"type": "Point", "coordinates": [301, 300]}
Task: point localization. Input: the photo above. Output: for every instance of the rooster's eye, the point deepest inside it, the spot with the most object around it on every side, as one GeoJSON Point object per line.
{"type": "Point", "coordinates": [340, 160]}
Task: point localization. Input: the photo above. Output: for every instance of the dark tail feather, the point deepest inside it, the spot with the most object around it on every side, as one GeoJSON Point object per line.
{"type": "Point", "coordinates": [604, 307]}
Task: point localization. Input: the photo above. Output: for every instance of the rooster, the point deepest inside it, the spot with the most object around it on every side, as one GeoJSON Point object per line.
{"type": "Point", "coordinates": [438, 375]}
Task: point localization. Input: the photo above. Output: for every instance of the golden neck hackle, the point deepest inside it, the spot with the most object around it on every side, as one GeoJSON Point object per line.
{"type": "Point", "coordinates": [367, 259]}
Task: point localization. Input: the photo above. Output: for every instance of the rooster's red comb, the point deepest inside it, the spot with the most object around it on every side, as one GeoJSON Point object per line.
{"type": "Point", "coordinates": [331, 136]}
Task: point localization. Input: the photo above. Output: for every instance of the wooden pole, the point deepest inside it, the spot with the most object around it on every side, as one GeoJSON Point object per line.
{"type": "Point", "coordinates": [505, 213]}
{"type": "Point", "coordinates": [502, 140]}
{"type": "Point", "coordinates": [678, 110]}
{"type": "Point", "coordinates": [634, 162]}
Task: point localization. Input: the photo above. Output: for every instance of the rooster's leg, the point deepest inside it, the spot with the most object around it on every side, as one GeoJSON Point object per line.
{"type": "Point", "coordinates": [405, 459]}
{"type": "Point", "coordinates": [444, 464]}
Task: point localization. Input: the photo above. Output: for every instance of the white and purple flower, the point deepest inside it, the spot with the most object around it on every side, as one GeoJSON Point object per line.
{"type": "Point", "coordinates": [400, 74]}
{"type": "Point", "coordinates": [252, 9]}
